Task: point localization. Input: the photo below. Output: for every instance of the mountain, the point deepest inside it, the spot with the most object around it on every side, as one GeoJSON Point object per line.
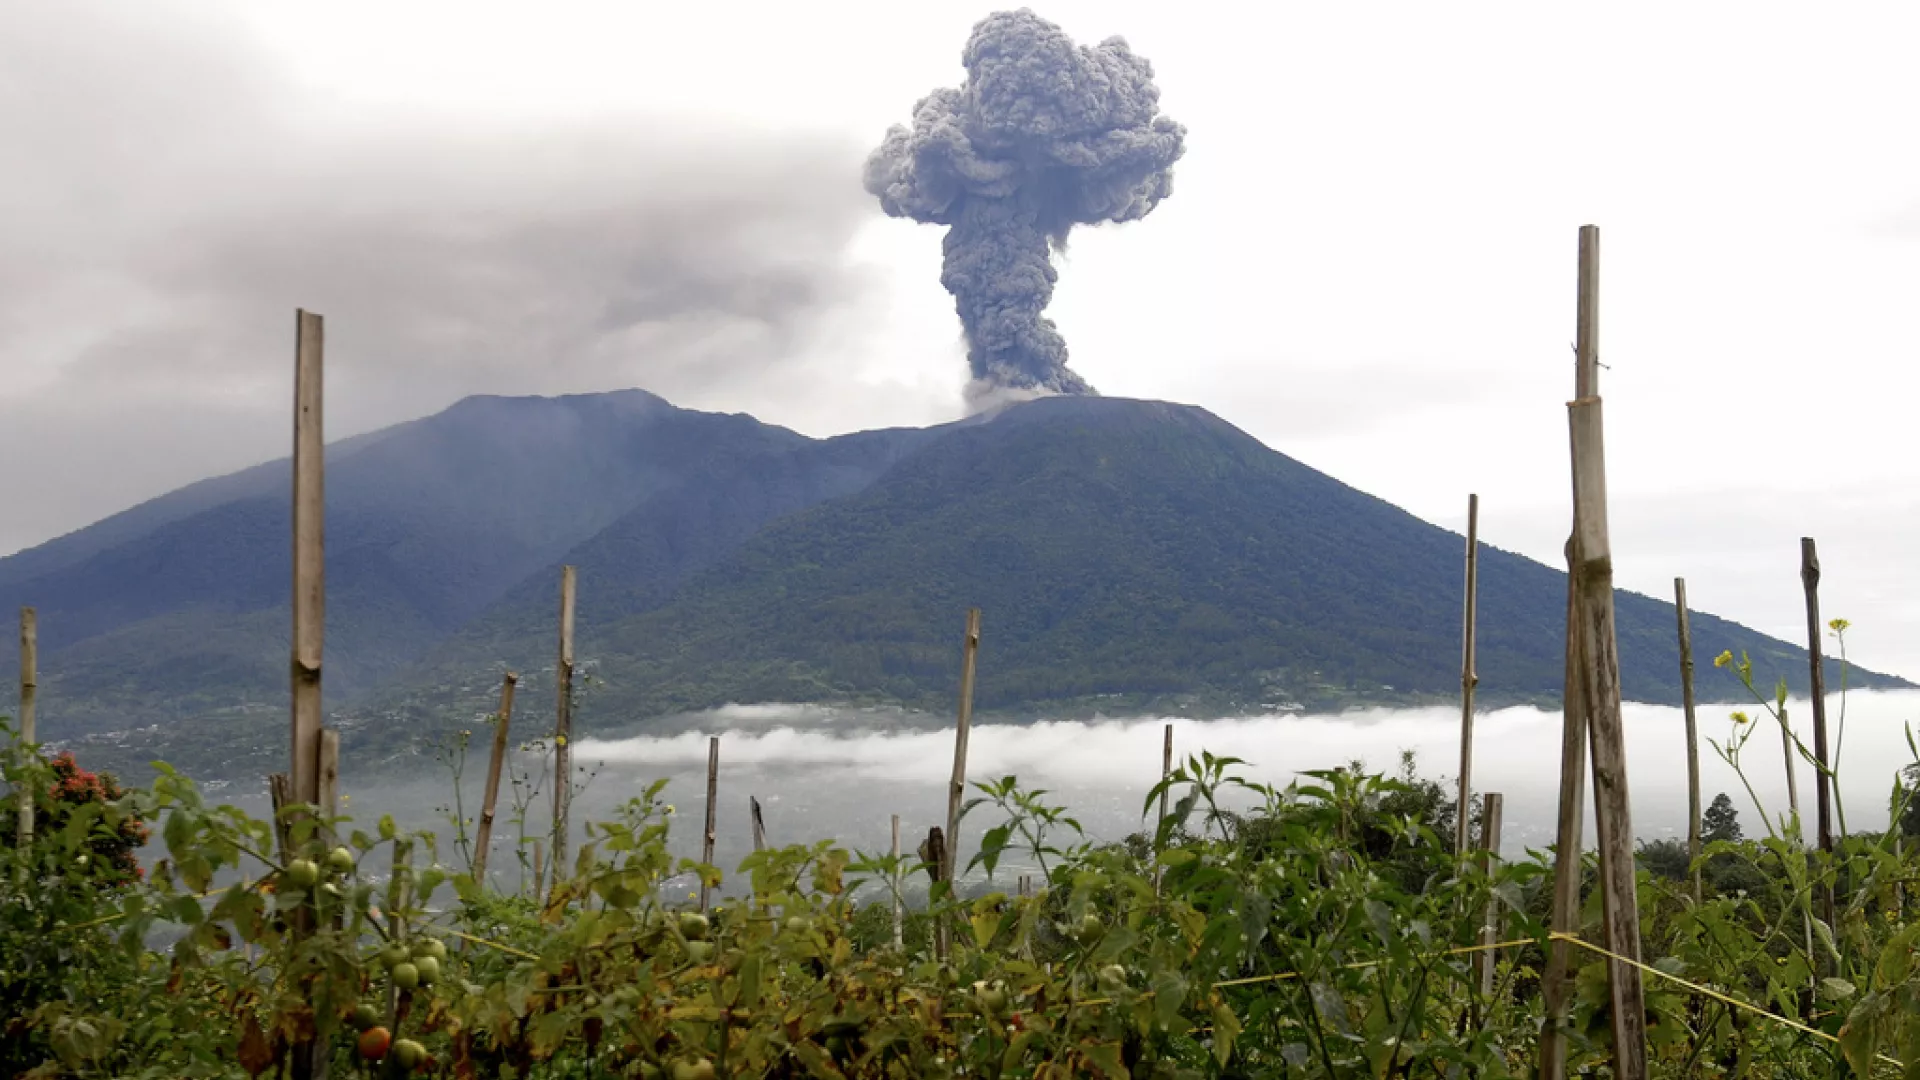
{"type": "Point", "coordinates": [1126, 555]}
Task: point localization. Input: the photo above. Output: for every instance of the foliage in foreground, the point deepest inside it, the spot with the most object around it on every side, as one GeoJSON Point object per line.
{"type": "Point", "coordinates": [1324, 932]}
{"type": "Point", "coordinates": [1308, 938]}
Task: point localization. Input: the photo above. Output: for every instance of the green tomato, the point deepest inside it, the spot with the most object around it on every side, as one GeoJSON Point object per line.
{"type": "Point", "coordinates": [303, 874]}
{"type": "Point", "coordinates": [433, 947]}
{"type": "Point", "coordinates": [700, 951]}
{"type": "Point", "coordinates": [394, 955]}
{"type": "Point", "coordinates": [701, 1069]}
{"type": "Point", "coordinates": [1113, 976]}
{"type": "Point", "coordinates": [409, 1054]}
{"type": "Point", "coordinates": [991, 999]}
{"type": "Point", "coordinates": [340, 860]}
{"type": "Point", "coordinates": [693, 926]}
{"type": "Point", "coordinates": [798, 925]}
{"type": "Point", "coordinates": [406, 976]}
{"type": "Point", "coordinates": [1091, 928]}
{"type": "Point", "coordinates": [364, 1017]}
{"type": "Point", "coordinates": [429, 969]}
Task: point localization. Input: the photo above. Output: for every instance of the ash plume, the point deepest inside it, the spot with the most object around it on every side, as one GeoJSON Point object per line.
{"type": "Point", "coordinates": [1043, 135]}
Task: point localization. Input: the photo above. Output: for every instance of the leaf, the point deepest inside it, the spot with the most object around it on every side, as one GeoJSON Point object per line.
{"type": "Point", "coordinates": [1106, 1058]}
{"type": "Point", "coordinates": [1837, 989]}
{"type": "Point", "coordinates": [750, 980]}
{"type": "Point", "coordinates": [256, 1053]}
{"type": "Point", "coordinates": [1226, 1028]}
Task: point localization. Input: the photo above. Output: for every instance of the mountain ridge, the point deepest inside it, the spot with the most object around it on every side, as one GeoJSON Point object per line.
{"type": "Point", "coordinates": [1129, 554]}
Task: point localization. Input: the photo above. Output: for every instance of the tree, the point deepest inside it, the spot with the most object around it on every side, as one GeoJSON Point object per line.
{"type": "Point", "coordinates": [73, 787]}
{"type": "Point", "coordinates": [1720, 822]}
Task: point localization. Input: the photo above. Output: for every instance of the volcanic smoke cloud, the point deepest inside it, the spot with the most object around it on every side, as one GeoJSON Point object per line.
{"type": "Point", "coordinates": [1043, 135]}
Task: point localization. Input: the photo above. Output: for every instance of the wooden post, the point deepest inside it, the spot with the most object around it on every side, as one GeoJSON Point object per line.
{"type": "Point", "coordinates": [1693, 735]}
{"type": "Point", "coordinates": [280, 796]}
{"type": "Point", "coordinates": [309, 564]}
{"type": "Point", "coordinates": [957, 787]}
{"type": "Point", "coordinates": [1490, 932]}
{"type": "Point", "coordinates": [1468, 677]}
{"type": "Point", "coordinates": [1793, 782]}
{"type": "Point", "coordinates": [1817, 687]}
{"type": "Point", "coordinates": [329, 766]}
{"type": "Point", "coordinates": [399, 885]}
{"type": "Point", "coordinates": [309, 603]}
{"type": "Point", "coordinates": [563, 726]}
{"type": "Point", "coordinates": [483, 838]}
{"type": "Point", "coordinates": [29, 692]}
{"type": "Point", "coordinates": [933, 853]}
{"type": "Point", "coordinates": [713, 790]}
{"type": "Point", "coordinates": [1556, 981]}
{"type": "Point", "coordinates": [759, 824]}
{"type": "Point", "coordinates": [1166, 770]}
{"type": "Point", "coordinates": [1600, 680]}
{"type": "Point", "coordinates": [898, 916]}
{"type": "Point", "coordinates": [539, 868]}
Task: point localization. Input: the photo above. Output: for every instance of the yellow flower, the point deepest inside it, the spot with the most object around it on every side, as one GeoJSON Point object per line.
{"type": "Point", "coordinates": [559, 740]}
{"type": "Point", "coordinates": [1723, 659]}
{"type": "Point", "coordinates": [1838, 626]}
{"type": "Point", "coordinates": [669, 808]}
{"type": "Point", "coordinates": [1742, 718]}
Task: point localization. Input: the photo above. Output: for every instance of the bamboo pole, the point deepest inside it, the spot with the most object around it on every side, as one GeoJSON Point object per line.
{"type": "Point", "coordinates": [713, 791]}
{"type": "Point", "coordinates": [1600, 680]}
{"type": "Point", "coordinates": [898, 915]}
{"type": "Point", "coordinates": [280, 796]}
{"type": "Point", "coordinates": [1817, 687]}
{"type": "Point", "coordinates": [759, 824]}
{"type": "Point", "coordinates": [563, 725]}
{"type": "Point", "coordinates": [399, 885]}
{"type": "Point", "coordinates": [1693, 735]}
{"type": "Point", "coordinates": [1556, 981]}
{"type": "Point", "coordinates": [29, 694]}
{"type": "Point", "coordinates": [1166, 770]}
{"type": "Point", "coordinates": [329, 766]}
{"type": "Point", "coordinates": [490, 798]}
{"type": "Point", "coordinates": [309, 605]}
{"type": "Point", "coordinates": [1490, 812]}
{"type": "Point", "coordinates": [1793, 782]}
{"type": "Point", "coordinates": [957, 787]}
{"type": "Point", "coordinates": [309, 564]}
{"type": "Point", "coordinates": [1468, 677]}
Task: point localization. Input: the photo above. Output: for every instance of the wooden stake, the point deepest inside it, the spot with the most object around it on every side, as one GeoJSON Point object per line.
{"type": "Point", "coordinates": [490, 798]}
{"type": "Point", "coordinates": [759, 825]}
{"type": "Point", "coordinates": [29, 693]}
{"type": "Point", "coordinates": [280, 795]}
{"type": "Point", "coordinates": [1556, 981]}
{"type": "Point", "coordinates": [1490, 847]}
{"type": "Point", "coordinates": [898, 915]}
{"type": "Point", "coordinates": [539, 868]}
{"type": "Point", "coordinates": [1817, 686]}
{"type": "Point", "coordinates": [956, 789]}
{"type": "Point", "coordinates": [309, 605]}
{"type": "Point", "coordinates": [329, 765]}
{"type": "Point", "coordinates": [563, 726]}
{"type": "Point", "coordinates": [713, 790]}
{"type": "Point", "coordinates": [309, 563]}
{"type": "Point", "coordinates": [1693, 735]}
{"type": "Point", "coordinates": [1793, 782]}
{"type": "Point", "coordinates": [1166, 770]}
{"type": "Point", "coordinates": [1468, 677]}
{"type": "Point", "coordinates": [1600, 680]}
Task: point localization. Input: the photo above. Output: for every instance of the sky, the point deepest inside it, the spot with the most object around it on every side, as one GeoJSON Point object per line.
{"type": "Point", "coordinates": [1368, 261]}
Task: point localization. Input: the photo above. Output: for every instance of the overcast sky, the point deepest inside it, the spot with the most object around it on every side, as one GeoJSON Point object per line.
{"type": "Point", "coordinates": [1368, 260]}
